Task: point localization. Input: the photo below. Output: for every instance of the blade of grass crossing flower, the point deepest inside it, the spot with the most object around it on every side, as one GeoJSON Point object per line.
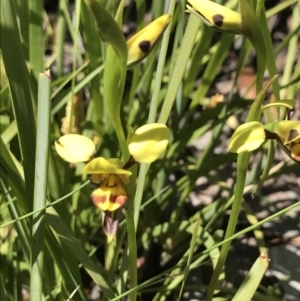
{"type": "Point", "coordinates": [36, 38]}
{"type": "Point", "coordinates": [47, 206]}
{"type": "Point", "coordinates": [20, 88]}
{"type": "Point", "coordinates": [252, 280]}
{"type": "Point", "coordinates": [40, 186]}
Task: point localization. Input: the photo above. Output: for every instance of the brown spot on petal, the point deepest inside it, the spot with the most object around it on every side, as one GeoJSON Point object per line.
{"type": "Point", "coordinates": [99, 199]}
{"type": "Point", "coordinates": [293, 134]}
{"type": "Point", "coordinates": [145, 46]}
{"type": "Point", "coordinates": [116, 201]}
{"type": "Point", "coordinates": [218, 20]}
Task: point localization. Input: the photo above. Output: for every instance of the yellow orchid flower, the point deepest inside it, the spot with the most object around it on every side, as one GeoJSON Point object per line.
{"type": "Point", "coordinates": [111, 194]}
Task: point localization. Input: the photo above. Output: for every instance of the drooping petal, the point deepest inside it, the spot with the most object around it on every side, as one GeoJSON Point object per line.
{"type": "Point", "coordinates": [149, 142]}
{"type": "Point", "coordinates": [75, 148]}
{"type": "Point", "coordinates": [247, 137]}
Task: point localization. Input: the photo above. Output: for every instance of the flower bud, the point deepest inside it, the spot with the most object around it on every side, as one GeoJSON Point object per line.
{"type": "Point", "coordinates": [141, 44]}
{"type": "Point", "coordinates": [215, 15]}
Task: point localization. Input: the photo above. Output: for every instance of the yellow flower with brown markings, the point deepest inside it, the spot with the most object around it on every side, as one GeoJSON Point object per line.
{"type": "Point", "coordinates": [111, 194]}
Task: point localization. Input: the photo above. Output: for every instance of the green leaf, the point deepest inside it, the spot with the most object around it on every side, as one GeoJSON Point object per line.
{"type": "Point", "coordinates": [252, 280]}
{"type": "Point", "coordinates": [21, 90]}
{"type": "Point", "coordinates": [108, 29]}
{"type": "Point", "coordinates": [97, 272]}
{"type": "Point", "coordinates": [40, 186]}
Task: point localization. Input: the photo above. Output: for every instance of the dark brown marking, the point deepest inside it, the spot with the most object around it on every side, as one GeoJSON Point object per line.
{"type": "Point", "coordinates": [112, 198]}
{"type": "Point", "coordinates": [118, 199]}
{"type": "Point", "coordinates": [218, 20]}
{"type": "Point", "coordinates": [293, 134]}
{"type": "Point", "coordinates": [145, 46]}
{"type": "Point", "coordinates": [98, 199]}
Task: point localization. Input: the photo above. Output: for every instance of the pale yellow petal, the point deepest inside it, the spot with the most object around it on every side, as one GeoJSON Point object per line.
{"type": "Point", "coordinates": [75, 148]}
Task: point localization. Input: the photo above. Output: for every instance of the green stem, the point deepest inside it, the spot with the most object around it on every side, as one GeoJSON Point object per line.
{"type": "Point", "coordinates": [242, 163]}
{"type": "Point", "coordinates": [251, 29]}
{"type": "Point", "coordinates": [131, 237]}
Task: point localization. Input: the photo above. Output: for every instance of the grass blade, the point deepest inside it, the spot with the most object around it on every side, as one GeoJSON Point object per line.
{"type": "Point", "coordinates": [40, 188]}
